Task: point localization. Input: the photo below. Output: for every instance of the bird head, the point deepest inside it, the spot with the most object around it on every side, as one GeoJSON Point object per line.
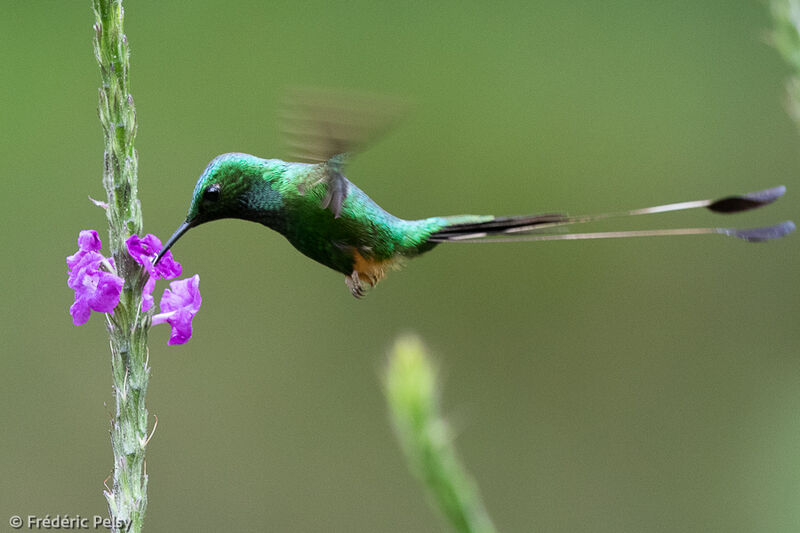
{"type": "Point", "coordinates": [224, 190]}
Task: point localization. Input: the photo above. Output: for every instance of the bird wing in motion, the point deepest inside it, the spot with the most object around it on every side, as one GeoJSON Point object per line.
{"type": "Point", "coordinates": [328, 127]}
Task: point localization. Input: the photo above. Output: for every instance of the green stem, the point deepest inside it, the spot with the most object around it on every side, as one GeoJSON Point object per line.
{"type": "Point", "coordinates": [127, 497]}
{"type": "Point", "coordinates": [786, 38]}
{"type": "Point", "coordinates": [411, 389]}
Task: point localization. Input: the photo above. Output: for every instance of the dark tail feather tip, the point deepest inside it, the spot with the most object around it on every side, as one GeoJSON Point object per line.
{"type": "Point", "coordinates": [763, 234]}
{"type": "Point", "coordinates": [743, 202]}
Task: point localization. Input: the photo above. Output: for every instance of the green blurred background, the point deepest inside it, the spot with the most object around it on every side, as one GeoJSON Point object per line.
{"type": "Point", "coordinates": [633, 385]}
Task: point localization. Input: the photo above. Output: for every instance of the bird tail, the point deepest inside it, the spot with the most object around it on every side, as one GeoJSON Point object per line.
{"type": "Point", "coordinates": [471, 227]}
{"type": "Point", "coordinates": [549, 227]}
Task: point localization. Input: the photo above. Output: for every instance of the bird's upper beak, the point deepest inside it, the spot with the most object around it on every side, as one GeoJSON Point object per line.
{"type": "Point", "coordinates": [183, 228]}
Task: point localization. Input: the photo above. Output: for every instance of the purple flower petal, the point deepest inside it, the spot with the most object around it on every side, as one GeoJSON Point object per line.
{"type": "Point", "coordinates": [88, 242]}
{"type": "Point", "coordinates": [181, 324]}
{"type": "Point", "coordinates": [106, 293]}
{"type": "Point", "coordinates": [80, 311]}
{"type": "Point", "coordinates": [147, 294]}
{"type": "Point", "coordinates": [168, 268]}
{"type": "Point", "coordinates": [144, 250]}
{"type": "Point", "coordinates": [95, 289]}
{"type": "Point", "coordinates": [87, 260]}
{"type": "Point", "coordinates": [178, 306]}
{"type": "Point", "coordinates": [183, 293]}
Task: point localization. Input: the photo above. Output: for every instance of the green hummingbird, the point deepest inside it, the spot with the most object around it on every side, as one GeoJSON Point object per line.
{"type": "Point", "coordinates": [330, 220]}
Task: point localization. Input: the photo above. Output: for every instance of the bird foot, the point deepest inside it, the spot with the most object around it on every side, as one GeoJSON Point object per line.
{"type": "Point", "coordinates": [353, 282]}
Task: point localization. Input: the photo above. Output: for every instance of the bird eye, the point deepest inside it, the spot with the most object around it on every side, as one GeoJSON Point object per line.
{"type": "Point", "coordinates": [211, 193]}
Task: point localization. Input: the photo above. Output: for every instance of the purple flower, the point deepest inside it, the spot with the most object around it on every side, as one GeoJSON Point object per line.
{"type": "Point", "coordinates": [178, 305]}
{"type": "Point", "coordinates": [88, 242]}
{"type": "Point", "coordinates": [95, 289]}
{"type": "Point", "coordinates": [147, 294]}
{"type": "Point", "coordinates": [144, 250]}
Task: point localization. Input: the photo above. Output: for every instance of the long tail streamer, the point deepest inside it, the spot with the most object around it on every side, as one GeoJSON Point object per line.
{"type": "Point", "coordinates": [536, 227]}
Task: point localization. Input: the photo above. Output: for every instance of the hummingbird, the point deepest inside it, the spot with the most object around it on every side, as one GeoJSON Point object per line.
{"type": "Point", "coordinates": [326, 217]}
{"type": "Point", "coordinates": [332, 221]}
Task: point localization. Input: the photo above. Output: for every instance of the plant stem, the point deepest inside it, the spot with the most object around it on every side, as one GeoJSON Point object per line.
{"type": "Point", "coordinates": [786, 38]}
{"type": "Point", "coordinates": [127, 497]}
{"type": "Point", "coordinates": [411, 388]}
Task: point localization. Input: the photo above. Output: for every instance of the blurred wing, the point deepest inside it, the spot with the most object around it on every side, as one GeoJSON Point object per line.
{"type": "Point", "coordinates": [319, 124]}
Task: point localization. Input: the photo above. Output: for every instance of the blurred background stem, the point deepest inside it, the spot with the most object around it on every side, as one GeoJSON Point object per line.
{"type": "Point", "coordinates": [127, 496]}
{"type": "Point", "coordinates": [411, 389]}
{"type": "Point", "coordinates": [786, 38]}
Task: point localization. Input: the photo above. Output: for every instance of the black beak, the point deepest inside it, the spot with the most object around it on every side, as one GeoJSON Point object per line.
{"type": "Point", "coordinates": [183, 228]}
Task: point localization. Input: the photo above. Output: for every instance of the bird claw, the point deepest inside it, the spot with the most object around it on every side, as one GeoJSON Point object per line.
{"type": "Point", "coordinates": [354, 284]}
